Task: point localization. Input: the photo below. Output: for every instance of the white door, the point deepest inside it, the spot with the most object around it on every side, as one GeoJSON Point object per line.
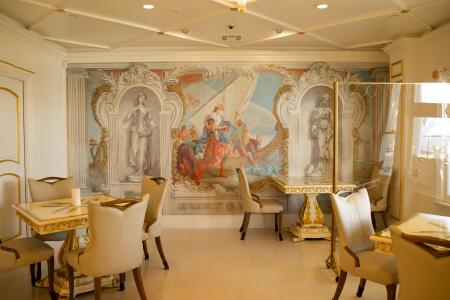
{"type": "Point", "coordinates": [12, 165]}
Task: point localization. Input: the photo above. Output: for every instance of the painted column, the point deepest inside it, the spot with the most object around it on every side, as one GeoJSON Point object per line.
{"type": "Point", "coordinates": [294, 157]}
{"type": "Point", "coordinates": [76, 126]}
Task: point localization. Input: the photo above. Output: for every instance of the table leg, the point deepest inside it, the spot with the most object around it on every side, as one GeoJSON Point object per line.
{"type": "Point", "coordinates": [310, 223]}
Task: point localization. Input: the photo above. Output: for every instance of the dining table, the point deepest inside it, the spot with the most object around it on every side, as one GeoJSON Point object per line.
{"type": "Point", "coordinates": [60, 215]}
{"type": "Point", "coordinates": [422, 224]}
{"type": "Point", "coordinates": [310, 224]}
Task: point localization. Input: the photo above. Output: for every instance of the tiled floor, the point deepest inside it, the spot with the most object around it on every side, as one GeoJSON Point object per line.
{"type": "Point", "coordinates": [216, 264]}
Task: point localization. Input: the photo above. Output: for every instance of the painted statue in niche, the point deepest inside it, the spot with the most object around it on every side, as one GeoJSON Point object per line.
{"type": "Point", "coordinates": [140, 130]}
{"type": "Point", "coordinates": [321, 134]}
{"type": "Point", "coordinates": [230, 124]}
{"type": "Point", "coordinates": [138, 135]}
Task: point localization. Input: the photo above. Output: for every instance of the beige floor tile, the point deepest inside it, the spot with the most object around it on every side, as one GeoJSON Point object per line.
{"type": "Point", "coordinates": [216, 264]}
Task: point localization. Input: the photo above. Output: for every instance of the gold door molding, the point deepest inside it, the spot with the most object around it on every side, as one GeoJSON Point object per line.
{"type": "Point", "coordinates": [17, 160]}
{"type": "Point", "coordinates": [17, 201]}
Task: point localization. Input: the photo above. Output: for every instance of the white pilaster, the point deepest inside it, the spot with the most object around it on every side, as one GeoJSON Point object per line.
{"type": "Point", "coordinates": [76, 126]}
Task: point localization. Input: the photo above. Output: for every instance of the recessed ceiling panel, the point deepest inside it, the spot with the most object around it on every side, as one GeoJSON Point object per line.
{"type": "Point", "coordinates": [156, 40]}
{"type": "Point", "coordinates": [22, 12]}
{"type": "Point", "coordinates": [84, 29]}
{"type": "Point", "coordinates": [295, 41]}
{"type": "Point", "coordinates": [165, 15]}
{"type": "Point", "coordinates": [304, 14]}
{"type": "Point", "coordinates": [248, 27]}
{"type": "Point", "coordinates": [372, 30]}
{"type": "Point", "coordinates": [56, 3]}
{"type": "Point", "coordinates": [434, 15]}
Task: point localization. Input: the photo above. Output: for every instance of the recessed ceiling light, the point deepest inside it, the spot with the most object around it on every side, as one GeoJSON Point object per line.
{"type": "Point", "coordinates": [148, 6]}
{"type": "Point", "coordinates": [321, 6]}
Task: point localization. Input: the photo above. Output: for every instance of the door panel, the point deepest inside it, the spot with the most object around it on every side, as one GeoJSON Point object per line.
{"type": "Point", "coordinates": [12, 171]}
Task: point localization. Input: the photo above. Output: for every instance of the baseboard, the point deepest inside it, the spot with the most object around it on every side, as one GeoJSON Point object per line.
{"type": "Point", "coordinates": [223, 221]}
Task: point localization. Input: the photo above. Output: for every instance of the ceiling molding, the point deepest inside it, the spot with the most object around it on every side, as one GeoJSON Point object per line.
{"type": "Point", "coordinates": [370, 44]}
{"type": "Point", "coordinates": [169, 55]}
{"type": "Point", "coordinates": [17, 30]}
{"type": "Point", "coordinates": [48, 38]}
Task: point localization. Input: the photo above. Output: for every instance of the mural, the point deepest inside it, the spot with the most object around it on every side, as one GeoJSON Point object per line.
{"type": "Point", "coordinates": [196, 125]}
{"type": "Point", "coordinates": [229, 124]}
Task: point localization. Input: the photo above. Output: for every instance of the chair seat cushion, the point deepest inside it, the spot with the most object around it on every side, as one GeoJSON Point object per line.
{"type": "Point", "coordinates": [270, 206]}
{"type": "Point", "coordinates": [29, 250]}
{"type": "Point", "coordinates": [56, 236]}
{"type": "Point", "coordinates": [377, 267]}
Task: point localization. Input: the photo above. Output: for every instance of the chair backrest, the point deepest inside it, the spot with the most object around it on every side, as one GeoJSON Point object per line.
{"type": "Point", "coordinates": [157, 189]}
{"type": "Point", "coordinates": [7, 259]}
{"type": "Point", "coordinates": [421, 275]}
{"type": "Point", "coordinates": [353, 219]}
{"type": "Point", "coordinates": [380, 191]}
{"type": "Point", "coordinates": [50, 188]}
{"type": "Point", "coordinates": [248, 203]}
{"type": "Point", "coordinates": [115, 237]}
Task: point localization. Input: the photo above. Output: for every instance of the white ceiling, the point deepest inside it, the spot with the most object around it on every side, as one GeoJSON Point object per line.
{"type": "Point", "coordinates": [113, 24]}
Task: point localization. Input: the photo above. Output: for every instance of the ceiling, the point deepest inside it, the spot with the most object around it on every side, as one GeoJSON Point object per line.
{"type": "Point", "coordinates": [263, 24]}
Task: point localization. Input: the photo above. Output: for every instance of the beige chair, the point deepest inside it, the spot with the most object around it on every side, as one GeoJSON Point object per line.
{"type": "Point", "coordinates": [378, 194]}
{"type": "Point", "coordinates": [49, 188]}
{"type": "Point", "coordinates": [157, 188]}
{"type": "Point", "coordinates": [424, 273]}
{"type": "Point", "coordinates": [115, 231]}
{"type": "Point", "coordinates": [253, 204]}
{"type": "Point", "coordinates": [27, 251]}
{"type": "Point", "coordinates": [356, 250]}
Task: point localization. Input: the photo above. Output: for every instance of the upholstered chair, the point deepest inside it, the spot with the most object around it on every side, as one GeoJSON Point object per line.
{"type": "Point", "coordinates": [49, 188]}
{"type": "Point", "coordinates": [251, 203]}
{"type": "Point", "coordinates": [157, 189]}
{"type": "Point", "coordinates": [115, 231]}
{"type": "Point", "coordinates": [356, 250]}
{"type": "Point", "coordinates": [378, 194]}
{"type": "Point", "coordinates": [27, 251]}
{"type": "Point", "coordinates": [424, 272]}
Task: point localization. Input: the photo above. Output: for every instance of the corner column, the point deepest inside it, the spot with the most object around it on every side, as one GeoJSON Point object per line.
{"type": "Point", "coordinates": [76, 126]}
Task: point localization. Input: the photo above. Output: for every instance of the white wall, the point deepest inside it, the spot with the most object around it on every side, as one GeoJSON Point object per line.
{"type": "Point", "coordinates": [45, 105]}
{"type": "Point", "coordinates": [420, 57]}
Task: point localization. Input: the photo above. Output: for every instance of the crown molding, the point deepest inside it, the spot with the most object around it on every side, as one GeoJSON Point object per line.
{"type": "Point", "coordinates": [15, 29]}
{"type": "Point", "coordinates": [174, 56]}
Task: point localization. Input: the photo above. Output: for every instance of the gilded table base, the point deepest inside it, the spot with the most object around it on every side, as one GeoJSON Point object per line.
{"type": "Point", "coordinates": [310, 223]}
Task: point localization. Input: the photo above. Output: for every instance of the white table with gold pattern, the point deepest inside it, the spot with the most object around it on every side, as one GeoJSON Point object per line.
{"type": "Point", "coordinates": [420, 224]}
{"type": "Point", "coordinates": [59, 215]}
{"type": "Point", "coordinates": [310, 218]}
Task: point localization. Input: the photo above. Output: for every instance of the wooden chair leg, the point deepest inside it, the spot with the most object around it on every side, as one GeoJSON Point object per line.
{"type": "Point", "coordinates": [69, 271]}
{"type": "Point", "coordinates": [391, 290]}
{"type": "Point", "coordinates": [374, 221]}
{"type": "Point", "coordinates": [243, 222]}
{"type": "Point", "coordinates": [51, 274]}
{"type": "Point", "coordinates": [39, 271]}
{"type": "Point", "coordinates": [161, 252]}
{"type": "Point", "coordinates": [280, 226]}
{"type": "Point", "coordinates": [276, 222]}
{"type": "Point", "coordinates": [247, 221]}
{"type": "Point", "coordinates": [340, 286]}
{"type": "Point", "coordinates": [362, 284]}
{"type": "Point", "coordinates": [138, 280]}
{"type": "Point", "coordinates": [121, 281]}
{"type": "Point", "coordinates": [32, 273]}
{"type": "Point", "coordinates": [98, 288]}
{"type": "Point", "coordinates": [144, 245]}
{"type": "Point", "coordinates": [384, 216]}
